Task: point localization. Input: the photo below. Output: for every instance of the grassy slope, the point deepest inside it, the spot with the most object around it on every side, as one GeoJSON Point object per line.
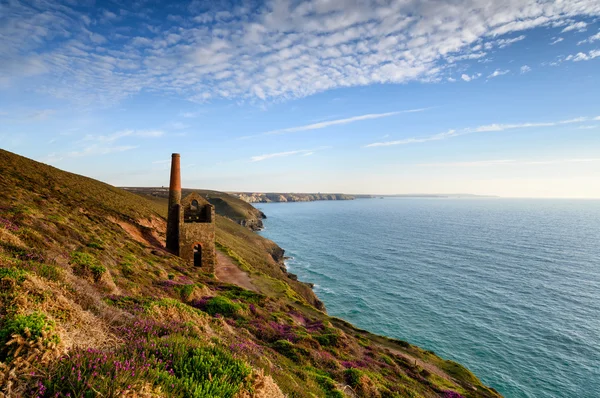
{"type": "Point", "coordinates": [82, 272]}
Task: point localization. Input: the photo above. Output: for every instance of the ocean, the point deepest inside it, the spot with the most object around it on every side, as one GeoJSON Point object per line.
{"type": "Point", "coordinates": [510, 288]}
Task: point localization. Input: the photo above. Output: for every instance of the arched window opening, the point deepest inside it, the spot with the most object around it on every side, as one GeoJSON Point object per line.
{"type": "Point", "coordinates": [194, 205]}
{"type": "Point", "coordinates": [197, 255]}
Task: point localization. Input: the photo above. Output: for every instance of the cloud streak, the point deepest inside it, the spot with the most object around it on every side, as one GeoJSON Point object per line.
{"type": "Point", "coordinates": [510, 162]}
{"type": "Point", "coordinates": [303, 152]}
{"type": "Point", "coordinates": [494, 127]}
{"type": "Point", "coordinates": [322, 125]}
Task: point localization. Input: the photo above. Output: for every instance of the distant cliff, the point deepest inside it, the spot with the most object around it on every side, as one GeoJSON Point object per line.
{"type": "Point", "coordinates": [256, 197]}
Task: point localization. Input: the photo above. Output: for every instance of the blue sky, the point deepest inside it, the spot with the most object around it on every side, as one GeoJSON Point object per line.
{"type": "Point", "coordinates": [481, 97]}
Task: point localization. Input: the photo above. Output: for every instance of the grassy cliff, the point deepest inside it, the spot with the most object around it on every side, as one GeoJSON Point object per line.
{"type": "Point", "coordinates": [92, 305]}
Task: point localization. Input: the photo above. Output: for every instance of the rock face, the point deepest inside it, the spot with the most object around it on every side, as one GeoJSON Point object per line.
{"type": "Point", "coordinates": [257, 197]}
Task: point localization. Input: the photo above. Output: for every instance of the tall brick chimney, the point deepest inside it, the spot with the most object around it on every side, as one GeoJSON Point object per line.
{"type": "Point", "coordinates": [174, 205]}
{"type": "Point", "coordinates": [175, 186]}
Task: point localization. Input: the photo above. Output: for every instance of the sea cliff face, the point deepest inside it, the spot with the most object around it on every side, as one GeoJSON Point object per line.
{"type": "Point", "coordinates": [257, 197]}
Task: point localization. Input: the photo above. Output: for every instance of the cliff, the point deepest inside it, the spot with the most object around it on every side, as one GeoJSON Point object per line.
{"type": "Point", "coordinates": [254, 197]}
{"type": "Point", "coordinates": [92, 305]}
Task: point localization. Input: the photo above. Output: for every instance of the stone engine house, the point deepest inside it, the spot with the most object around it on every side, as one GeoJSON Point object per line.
{"type": "Point", "coordinates": [190, 224]}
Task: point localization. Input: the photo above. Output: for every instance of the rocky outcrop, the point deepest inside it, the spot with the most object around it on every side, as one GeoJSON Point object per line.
{"type": "Point", "coordinates": [257, 197]}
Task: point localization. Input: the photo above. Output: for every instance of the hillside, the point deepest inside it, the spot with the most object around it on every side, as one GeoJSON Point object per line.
{"type": "Point", "coordinates": [92, 305]}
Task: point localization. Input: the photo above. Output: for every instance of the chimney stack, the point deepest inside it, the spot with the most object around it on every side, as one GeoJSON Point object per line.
{"type": "Point", "coordinates": [175, 186]}
{"type": "Point", "coordinates": [174, 205]}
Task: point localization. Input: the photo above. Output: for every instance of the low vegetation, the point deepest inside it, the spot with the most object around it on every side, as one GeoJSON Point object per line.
{"type": "Point", "coordinates": [92, 306]}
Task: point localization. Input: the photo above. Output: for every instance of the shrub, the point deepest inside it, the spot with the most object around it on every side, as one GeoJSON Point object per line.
{"type": "Point", "coordinates": [327, 340]}
{"type": "Point", "coordinates": [171, 276]}
{"type": "Point", "coordinates": [220, 305]}
{"type": "Point", "coordinates": [84, 264]}
{"type": "Point", "coordinates": [286, 349]}
{"type": "Point", "coordinates": [352, 377]}
{"type": "Point", "coordinates": [186, 291]}
{"type": "Point", "coordinates": [97, 272]}
{"type": "Point", "coordinates": [328, 386]}
{"type": "Point", "coordinates": [13, 273]}
{"type": "Point", "coordinates": [33, 325]}
{"type": "Point", "coordinates": [95, 245]}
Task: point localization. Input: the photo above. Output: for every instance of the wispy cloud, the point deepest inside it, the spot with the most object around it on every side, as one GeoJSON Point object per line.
{"type": "Point", "coordinates": [498, 72]}
{"type": "Point", "coordinates": [579, 26]}
{"type": "Point", "coordinates": [525, 69]}
{"type": "Point", "coordinates": [510, 162]}
{"type": "Point", "coordinates": [125, 133]}
{"type": "Point", "coordinates": [303, 152]}
{"type": "Point", "coordinates": [322, 125]}
{"type": "Point", "coordinates": [590, 39]}
{"type": "Point", "coordinates": [495, 127]}
{"type": "Point", "coordinates": [92, 150]}
{"type": "Point", "coordinates": [556, 41]}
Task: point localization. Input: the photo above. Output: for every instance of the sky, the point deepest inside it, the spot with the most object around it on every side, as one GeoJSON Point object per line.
{"type": "Point", "coordinates": [374, 97]}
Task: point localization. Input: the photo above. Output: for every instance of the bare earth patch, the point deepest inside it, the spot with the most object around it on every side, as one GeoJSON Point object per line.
{"type": "Point", "coordinates": [227, 271]}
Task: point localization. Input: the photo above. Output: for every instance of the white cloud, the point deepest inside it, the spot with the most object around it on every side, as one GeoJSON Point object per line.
{"type": "Point", "coordinates": [579, 26]}
{"type": "Point", "coordinates": [303, 152]}
{"type": "Point", "coordinates": [498, 72]}
{"type": "Point", "coordinates": [590, 39]}
{"type": "Point", "coordinates": [506, 42]}
{"type": "Point", "coordinates": [525, 69]}
{"type": "Point", "coordinates": [583, 56]}
{"type": "Point", "coordinates": [322, 125]}
{"type": "Point", "coordinates": [468, 78]}
{"type": "Point", "coordinates": [495, 127]}
{"type": "Point", "coordinates": [277, 50]}
{"type": "Point", "coordinates": [556, 41]}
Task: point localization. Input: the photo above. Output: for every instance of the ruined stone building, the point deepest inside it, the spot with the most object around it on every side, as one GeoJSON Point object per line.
{"type": "Point", "coordinates": [190, 224]}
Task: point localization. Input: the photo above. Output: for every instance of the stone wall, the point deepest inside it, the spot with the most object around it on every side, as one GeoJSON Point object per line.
{"type": "Point", "coordinates": [193, 233]}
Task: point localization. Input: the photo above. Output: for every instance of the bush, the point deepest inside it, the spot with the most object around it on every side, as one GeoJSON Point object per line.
{"type": "Point", "coordinates": [35, 323]}
{"type": "Point", "coordinates": [352, 377]}
{"type": "Point", "coordinates": [13, 273]}
{"type": "Point", "coordinates": [84, 264]}
{"type": "Point", "coordinates": [220, 305]}
{"type": "Point", "coordinates": [95, 245]}
{"type": "Point", "coordinates": [327, 340]}
{"type": "Point", "coordinates": [186, 291]}
{"type": "Point", "coordinates": [97, 272]}
{"type": "Point", "coordinates": [286, 349]}
{"type": "Point", "coordinates": [328, 386]}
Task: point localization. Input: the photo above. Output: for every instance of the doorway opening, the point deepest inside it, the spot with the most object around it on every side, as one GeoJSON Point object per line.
{"type": "Point", "coordinates": [197, 255]}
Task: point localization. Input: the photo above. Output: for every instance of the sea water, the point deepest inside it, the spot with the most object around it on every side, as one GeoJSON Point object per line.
{"type": "Point", "coordinates": [510, 288]}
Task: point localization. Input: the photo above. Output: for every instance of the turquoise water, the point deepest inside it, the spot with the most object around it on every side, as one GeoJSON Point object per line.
{"type": "Point", "coordinates": [510, 288]}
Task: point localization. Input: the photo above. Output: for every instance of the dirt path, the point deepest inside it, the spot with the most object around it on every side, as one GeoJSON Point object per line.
{"type": "Point", "coordinates": [227, 271]}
